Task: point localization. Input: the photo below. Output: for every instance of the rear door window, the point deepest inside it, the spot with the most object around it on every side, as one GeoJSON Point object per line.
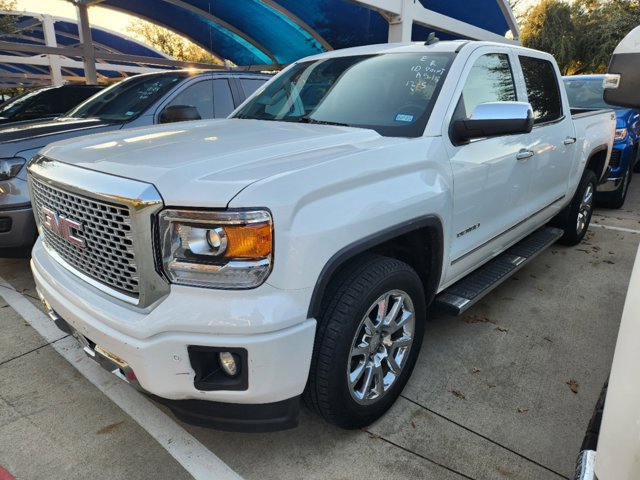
{"type": "Point", "coordinates": [222, 99]}
{"type": "Point", "coordinates": [250, 85]}
{"type": "Point", "coordinates": [542, 89]}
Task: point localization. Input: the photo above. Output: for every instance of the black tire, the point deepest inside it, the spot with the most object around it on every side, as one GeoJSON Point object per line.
{"type": "Point", "coordinates": [616, 198]}
{"type": "Point", "coordinates": [636, 159]}
{"type": "Point", "coordinates": [569, 217]}
{"type": "Point", "coordinates": [351, 298]}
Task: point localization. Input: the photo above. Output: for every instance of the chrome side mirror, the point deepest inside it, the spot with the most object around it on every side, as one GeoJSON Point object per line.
{"type": "Point", "coordinates": [493, 119]}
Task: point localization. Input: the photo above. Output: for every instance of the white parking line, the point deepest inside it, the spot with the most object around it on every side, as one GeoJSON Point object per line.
{"type": "Point", "coordinates": [196, 459]}
{"type": "Point", "coordinates": [611, 227]}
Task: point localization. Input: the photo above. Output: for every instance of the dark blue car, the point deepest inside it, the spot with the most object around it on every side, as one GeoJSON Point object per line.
{"type": "Point", "coordinates": [586, 92]}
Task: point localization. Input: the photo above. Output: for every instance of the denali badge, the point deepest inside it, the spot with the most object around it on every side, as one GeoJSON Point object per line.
{"type": "Point", "coordinates": [61, 226]}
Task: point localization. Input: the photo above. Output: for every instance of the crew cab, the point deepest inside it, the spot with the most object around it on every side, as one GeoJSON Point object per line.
{"type": "Point", "coordinates": [586, 92]}
{"type": "Point", "coordinates": [146, 99]}
{"type": "Point", "coordinates": [230, 267]}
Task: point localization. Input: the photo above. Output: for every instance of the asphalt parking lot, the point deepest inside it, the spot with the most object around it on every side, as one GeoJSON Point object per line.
{"type": "Point", "coordinates": [504, 392]}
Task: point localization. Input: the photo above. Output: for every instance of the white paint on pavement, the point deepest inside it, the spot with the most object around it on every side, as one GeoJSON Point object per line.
{"type": "Point", "coordinates": [196, 459]}
{"type": "Point", "coordinates": [611, 227]}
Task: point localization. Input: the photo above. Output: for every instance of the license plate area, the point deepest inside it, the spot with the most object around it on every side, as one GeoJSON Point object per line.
{"type": "Point", "coordinates": [107, 360]}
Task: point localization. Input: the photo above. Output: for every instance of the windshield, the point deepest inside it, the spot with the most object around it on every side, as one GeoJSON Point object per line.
{"type": "Point", "coordinates": [585, 93]}
{"type": "Point", "coordinates": [392, 94]}
{"type": "Point", "coordinates": [16, 104]}
{"type": "Point", "coordinates": [127, 99]}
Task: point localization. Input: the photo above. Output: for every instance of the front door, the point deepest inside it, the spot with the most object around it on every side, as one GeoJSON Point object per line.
{"type": "Point", "coordinates": [491, 175]}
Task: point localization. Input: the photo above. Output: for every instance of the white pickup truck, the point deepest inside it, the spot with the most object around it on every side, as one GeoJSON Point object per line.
{"type": "Point", "coordinates": [229, 267]}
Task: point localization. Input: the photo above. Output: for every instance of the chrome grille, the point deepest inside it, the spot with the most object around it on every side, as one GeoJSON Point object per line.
{"type": "Point", "coordinates": [108, 253]}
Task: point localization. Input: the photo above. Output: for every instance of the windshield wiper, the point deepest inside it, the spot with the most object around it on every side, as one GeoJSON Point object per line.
{"type": "Point", "coordinates": [321, 122]}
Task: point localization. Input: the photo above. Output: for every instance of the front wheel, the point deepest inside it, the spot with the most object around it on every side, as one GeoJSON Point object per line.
{"type": "Point", "coordinates": [575, 219]}
{"type": "Point", "coordinates": [367, 341]}
{"type": "Point", "coordinates": [616, 199]}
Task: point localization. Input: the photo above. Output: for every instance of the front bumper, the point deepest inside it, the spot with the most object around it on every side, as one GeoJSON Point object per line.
{"type": "Point", "coordinates": [278, 361]}
{"type": "Point", "coordinates": [17, 227]}
{"type": "Point", "coordinates": [222, 416]}
{"type": "Point", "coordinates": [610, 185]}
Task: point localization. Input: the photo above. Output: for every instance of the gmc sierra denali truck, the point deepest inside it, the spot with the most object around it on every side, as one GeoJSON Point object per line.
{"type": "Point", "coordinates": [229, 267]}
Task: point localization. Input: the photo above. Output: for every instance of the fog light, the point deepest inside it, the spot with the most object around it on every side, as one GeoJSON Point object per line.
{"type": "Point", "coordinates": [228, 363]}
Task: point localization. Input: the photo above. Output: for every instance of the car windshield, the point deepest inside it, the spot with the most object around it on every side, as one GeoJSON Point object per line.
{"type": "Point", "coordinates": [127, 99]}
{"type": "Point", "coordinates": [16, 104]}
{"type": "Point", "coordinates": [585, 93]}
{"type": "Point", "coordinates": [392, 94]}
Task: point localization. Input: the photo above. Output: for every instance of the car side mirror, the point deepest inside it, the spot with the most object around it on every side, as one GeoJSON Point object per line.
{"type": "Point", "coordinates": [493, 119]}
{"type": "Point", "coordinates": [622, 83]}
{"type": "Point", "coordinates": [179, 113]}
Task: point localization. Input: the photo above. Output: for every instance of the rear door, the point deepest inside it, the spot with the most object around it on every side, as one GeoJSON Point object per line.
{"type": "Point", "coordinates": [490, 183]}
{"type": "Point", "coordinates": [552, 139]}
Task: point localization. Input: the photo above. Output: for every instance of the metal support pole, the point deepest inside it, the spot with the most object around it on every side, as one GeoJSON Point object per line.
{"type": "Point", "coordinates": [400, 26]}
{"type": "Point", "coordinates": [84, 28]}
{"type": "Point", "coordinates": [48, 26]}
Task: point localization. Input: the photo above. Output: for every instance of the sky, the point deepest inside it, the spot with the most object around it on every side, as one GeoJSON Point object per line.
{"type": "Point", "coordinates": [102, 17]}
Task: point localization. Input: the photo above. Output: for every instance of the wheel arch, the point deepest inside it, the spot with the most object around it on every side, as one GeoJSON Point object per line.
{"type": "Point", "coordinates": [597, 161]}
{"type": "Point", "coordinates": [418, 242]}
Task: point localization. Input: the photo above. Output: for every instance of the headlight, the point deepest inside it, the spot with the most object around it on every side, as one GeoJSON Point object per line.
{"type": "Point", "coordinates": [10, 167]}
{"type": "Point", "coordinates": [230, 250]}
{"type": "Point", "coordinates": [621, 134]}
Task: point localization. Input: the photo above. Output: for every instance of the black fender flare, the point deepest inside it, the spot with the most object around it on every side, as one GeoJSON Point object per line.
{"type": "Point", "coordinates": [600, 148]}
{"type": "Point", "coordinates": [362, 245]}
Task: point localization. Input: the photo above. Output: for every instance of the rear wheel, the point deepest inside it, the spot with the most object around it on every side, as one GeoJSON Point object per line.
{"type": "Point", "coordinates": [368, 338]}
{"type": "Point", "coordinates": [575, 219]}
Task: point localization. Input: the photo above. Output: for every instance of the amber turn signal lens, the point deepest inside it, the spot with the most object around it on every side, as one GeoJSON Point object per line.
{"type": "Point", "coordinates": [248, 241]}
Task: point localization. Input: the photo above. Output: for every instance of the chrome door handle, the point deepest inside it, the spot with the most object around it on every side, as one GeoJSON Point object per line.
{"type": "Point", "coordinates": [524, 154]}
{"type": "Point", "coordinates": [569, 140]}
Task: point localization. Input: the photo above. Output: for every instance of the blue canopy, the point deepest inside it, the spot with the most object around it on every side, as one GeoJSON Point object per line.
{"type": "Point", "coordinates": [257, 32]}
{"type": "Point", "coordinates": [30, 32]}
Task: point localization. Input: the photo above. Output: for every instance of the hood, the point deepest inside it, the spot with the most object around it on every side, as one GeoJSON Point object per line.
{"type": "Point", "coordinates": [205, 164]}
{"type": "Point", "coordinates": [42, 131]}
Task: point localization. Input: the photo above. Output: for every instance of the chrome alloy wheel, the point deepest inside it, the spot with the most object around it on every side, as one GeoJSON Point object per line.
{"type": "Point", "coordinates": [584, 212]}
{"type": "Point", "coordinates": [380, 349]}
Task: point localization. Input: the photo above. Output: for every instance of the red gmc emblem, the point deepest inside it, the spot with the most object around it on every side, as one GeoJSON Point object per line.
{"type": "Point", "coordinates": [61, 226]}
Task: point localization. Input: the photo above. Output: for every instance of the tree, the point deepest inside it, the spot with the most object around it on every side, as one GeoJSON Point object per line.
{"type": "Point", "coordinates": [602, 25]}
{"type": "Point", "coordinates": [170, 43]}
{"type": "Point", "coordinates": [581, 36]}
{"type": "Point", "coordinates": [7, 21]}
{"type": "Point", "coordinates": [549, 26]}
{"type": "Point", "coordinates": [519, 9]}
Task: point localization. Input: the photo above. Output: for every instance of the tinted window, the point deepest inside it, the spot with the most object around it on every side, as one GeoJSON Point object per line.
{"type": "Point", "coordinates": [542, 89]}
{"type": "Point", "coordinates": [74, 95]}
{"type": "Point", "coordinates": [392, 94]}
{"type": "Point", "coordinates": [19, 103]}
{"type": "Point", "coordinates": [222, 99]}
{"type": "Point", "coordinates": [250, 85]}
{"type": "Point", "coordinates": [490, 80]}
{"type": "Point", "coordinates": [585, 93]}
{"type": "Point", "coordinates": [198, 95]}
{"type": "Point", "coordinates": [129, 98]}
{"type": "Point", "coordinates": [58, 100]}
